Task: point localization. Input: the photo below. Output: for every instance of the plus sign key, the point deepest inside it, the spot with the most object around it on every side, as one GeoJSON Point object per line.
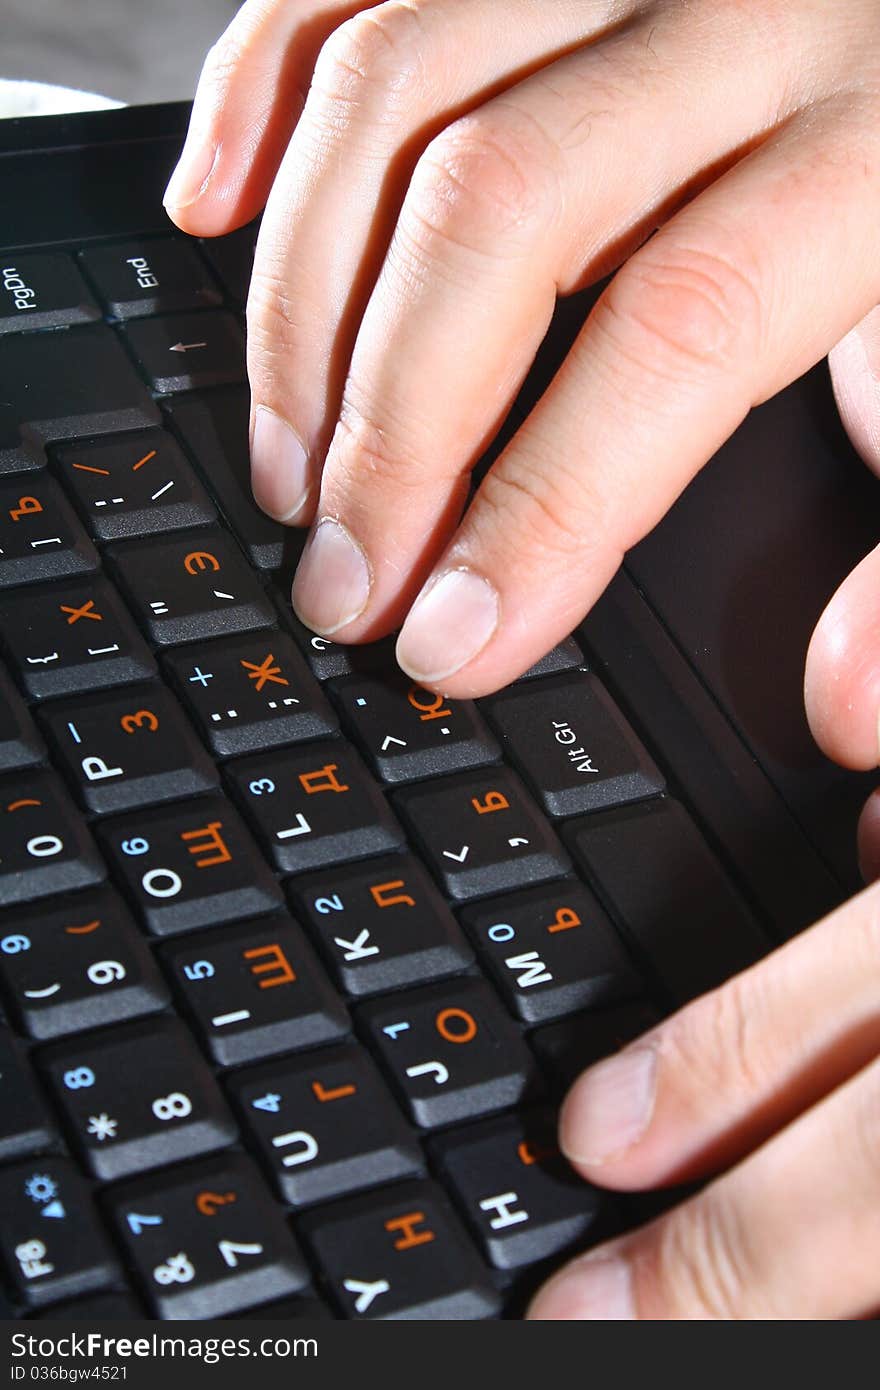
{"type": "Point", "coordinates": [314, 806]}
{"type": "Point", "coordinates": [251, 692]}
{"type": "Point", "coordinates": [207, 1240]}
{"type": "Point", "coordinates": [191, 586]}
{"type": "Point", "coordinates": [482, 833]}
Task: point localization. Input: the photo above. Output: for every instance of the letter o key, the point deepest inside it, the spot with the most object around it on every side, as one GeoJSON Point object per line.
{"type": "Point", "coordinates": [458, 1034]}
{"type": "Point", "coordinates": [200, 560]}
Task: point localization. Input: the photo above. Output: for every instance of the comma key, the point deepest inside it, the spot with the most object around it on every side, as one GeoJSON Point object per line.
{"type": "Point", "coordinates": [481, 833]}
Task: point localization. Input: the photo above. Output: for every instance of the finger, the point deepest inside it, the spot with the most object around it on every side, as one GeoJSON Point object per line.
{"type": "Point", "coordinates": [382, 85]}
{"type": "Point", "coordinates": [868, 838]}
{"type": "Point", "coordinates": [715, 1080]}
{"type": "Point", "coordinates": [248, 98]}
{"type": "Point", "coordinates": [530, 194]}
{"type": "Point", "coordinates": [855, 375]}
{"type": "Point", "coordinates": [709, 318]}
{"type": "Point", "coordinates": [793, 1232]}
{"type": "Point", "coordinates": [842, 674]}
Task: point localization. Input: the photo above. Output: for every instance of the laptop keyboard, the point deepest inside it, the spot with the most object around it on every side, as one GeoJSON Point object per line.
{"type": "Point", "coordinates": [296, 957]}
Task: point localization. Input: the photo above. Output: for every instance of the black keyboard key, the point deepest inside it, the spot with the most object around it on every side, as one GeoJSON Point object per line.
{"type": "Point", "coordinates": [232, 257]}
{"type": "Point", "coordinates": [73, 636]}
{"type": "Point", "coordinates": [328, 659]}
{"type": "Point", "coordinates": [51, 1240]}
{"type": "Point", "coordinates": [400, 1253]}
{"type": "Point", "coordinates": [669, 892]}
{"type": "Point", "coordinates": [43, 291]}
{"type": "Point", "coordinates": [40, 537]}
{"type": "Point", "coordinates": [325, 1125]}
{"type": "Point", "coordinates": [81, 963]}
{"type": "Point", "coordinates": [158, 276]}
{"type": "Point", "coordinates": [190, 865]}
{"type": "Point", "coordinates": [18, 453]}
{"type": "Point", "coordinates": [523, 1201]}
{"type": "Point", "coordinates": [381, 925]}
{"type": "Point", "coordinates": [25, 1126]}
{"type": "Point", "coordinates": [568, 1048]}
{"type": "Point", "coordinates": [573, 745]}
{"type": "Point", "coordinates": [567, 656]}
{"type": "Point", "coordinates": [191, 587]}
{"type": "Point", "coordinates": [214, 428]}
{"type": "Point", "coordinates": [129, 749]}
{"type": "Point", "coordinates": [451, 1051]}
{"type": "Point", "coordinates": [72, 384]}
{"type": "Point", "coordinates": [186, 351]}
{"type": "Point", "coordinates": [96, 1309]}
{"type": "Point", "coordinates": [137, 1097]}
{"type": "Point", "coordinates": [407, 732]}
{"type": "Point", "coordinates": [20, 744]}
{"type": "Point", "coordinates": [314, 806]}
{"type": "Point", "coordinates": [207, 1240]}
{"type": "Point", "coordinates": [251, 692]}
{"type": "Point", "coordinates": [256, 990]}
{"type": "Point", "coordinates": [292, 1310]}
{"type": "Point", "coordinates": [551, 951]}
{"type": "Point", "coordinates": [44, 845]}
{"type": "Point", "coordinates": [481, 834]}
{"type": "Point", "coordinates": [134, 485]}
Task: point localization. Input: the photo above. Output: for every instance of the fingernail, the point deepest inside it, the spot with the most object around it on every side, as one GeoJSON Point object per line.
{"type": "Point", "coordinates": [447, 626]}
{"type": "Point", "coordinates": [592, 1289]}
{"type": "Point", "coordinates": [609, 1107]}
{"type": "Point", "coordinates": [280, 473]}
{"type": "Point", "coordinates": [194, 169]}
{"type": "Point", "coordinates": [332, 584]}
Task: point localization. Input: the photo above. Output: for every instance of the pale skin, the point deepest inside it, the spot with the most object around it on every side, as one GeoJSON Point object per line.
{"type": "Point", "coordinates": [434, 173]}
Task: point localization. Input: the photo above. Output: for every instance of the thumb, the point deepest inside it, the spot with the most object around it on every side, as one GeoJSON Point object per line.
{"type": "Point", "coordinates": [855, 375]}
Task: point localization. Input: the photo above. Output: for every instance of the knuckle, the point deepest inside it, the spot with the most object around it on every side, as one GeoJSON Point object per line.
{"type": "Point", "coordinates": [676, 307]}
{"type": "Point", "coordinates": [555, 525]}
{"type": "Point", "coordinates": [736, 1068]}
{"type": "Point", "coordinates": [274, 320]}
{"type": "Point", "coordinates": [478, 186]}
{"type": "Point", "coordinates": [368, 452]}
{"type": "Point", "coordinates": [380, 48]}
{"type": "Point", "coordinates": [700, 1265]}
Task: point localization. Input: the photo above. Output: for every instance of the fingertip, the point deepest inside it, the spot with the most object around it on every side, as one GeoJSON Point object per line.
{"type": "Point", "coordinates": [868, 839]}
{"type": "Point", "coordinates": [842, 671]}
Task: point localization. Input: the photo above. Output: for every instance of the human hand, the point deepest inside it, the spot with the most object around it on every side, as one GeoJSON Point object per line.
{"type": "Point", "coordinates": [454, 165]}
{"type": "Point", "coordinates": [774, 1077]}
